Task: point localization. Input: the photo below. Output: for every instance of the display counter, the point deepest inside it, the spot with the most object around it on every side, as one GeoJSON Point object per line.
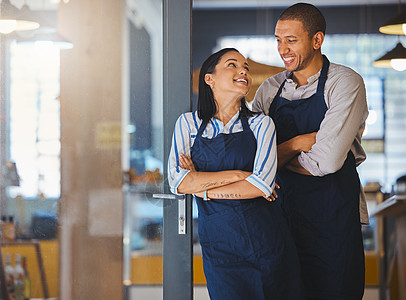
{"type": "Point", "coordinates": [394, 209]}
{"type": "Point", "coordinates": [49, 250]}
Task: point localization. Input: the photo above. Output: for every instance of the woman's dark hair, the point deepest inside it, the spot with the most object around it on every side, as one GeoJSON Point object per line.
{"type": "Point", "coordinates": [206, 105]}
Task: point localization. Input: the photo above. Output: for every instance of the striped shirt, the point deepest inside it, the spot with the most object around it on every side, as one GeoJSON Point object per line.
{"type": "Point", "coordinates": [265, 164]}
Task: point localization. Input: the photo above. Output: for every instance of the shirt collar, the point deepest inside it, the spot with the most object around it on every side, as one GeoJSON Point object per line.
{"type": "Point", "coordinates": [230, 123]}
{"type": "Point", "coordinates": [310, 80]}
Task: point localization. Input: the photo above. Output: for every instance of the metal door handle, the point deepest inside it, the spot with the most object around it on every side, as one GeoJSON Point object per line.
{"type": "Point", "coordinates": [181, 209]}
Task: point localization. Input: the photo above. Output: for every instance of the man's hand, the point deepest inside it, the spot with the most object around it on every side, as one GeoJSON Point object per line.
{"type": "Point", "coordinates": [305, 142]}
{"type": "Point", "coordinates": [291, 148]}
{"type": "Point", "coordinates": [294, 166]}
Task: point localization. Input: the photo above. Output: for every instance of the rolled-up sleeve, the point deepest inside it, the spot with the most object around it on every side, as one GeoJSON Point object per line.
{"type": "Point", "coordinates": [265, 163]}
{"type": "Point", "coordinates": [343, 124]}
{"type": "Point", "coordinates": [181, 143]}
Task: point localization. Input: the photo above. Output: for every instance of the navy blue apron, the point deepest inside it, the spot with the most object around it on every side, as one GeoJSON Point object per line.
{"type": "Point", "coordinates": [248, 252]}
{"type": "Point", "coordinates": [323, 212]}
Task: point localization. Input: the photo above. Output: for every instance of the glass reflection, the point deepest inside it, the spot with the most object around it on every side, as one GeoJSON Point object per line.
{"type": "Point", "coordinates": [143, 219]}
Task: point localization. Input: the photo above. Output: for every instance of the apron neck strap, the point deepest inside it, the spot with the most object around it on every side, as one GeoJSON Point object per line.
{"type": "Point", "coordinates": [322, 78]}
{"type": "Point", "coordinates": [323, 75]}
{"type": "Point", "coordinates": [201, 128]}
{"type": "Point", "coordinates": [280, 89]}
{"type": "Point", "coordinates": [244, 122]}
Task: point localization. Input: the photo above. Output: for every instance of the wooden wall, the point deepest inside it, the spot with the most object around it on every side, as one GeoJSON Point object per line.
{"type": "Point", "coordinates": [91, 202]}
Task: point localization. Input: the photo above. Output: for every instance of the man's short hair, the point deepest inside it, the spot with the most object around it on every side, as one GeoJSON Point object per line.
{"type": "Point", "coordinates": [309, 15]}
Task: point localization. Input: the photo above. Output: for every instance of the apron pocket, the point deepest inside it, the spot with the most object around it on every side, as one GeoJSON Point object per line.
{"type": "Point", "coordinates": [223, 237]}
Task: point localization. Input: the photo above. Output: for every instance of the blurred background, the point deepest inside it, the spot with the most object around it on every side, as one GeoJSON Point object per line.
{"type": "Point", "coordinates": [89, 93]}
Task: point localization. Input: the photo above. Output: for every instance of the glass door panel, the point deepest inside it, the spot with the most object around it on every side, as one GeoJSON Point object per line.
{"type": "Point", "coordinates": [143, 215]}
{"type": "Point", "coordinates": [154, 247]}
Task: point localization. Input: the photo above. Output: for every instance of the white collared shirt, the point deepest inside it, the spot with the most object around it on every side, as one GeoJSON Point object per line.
{"type": "Point", "coordinates": [343, 124]}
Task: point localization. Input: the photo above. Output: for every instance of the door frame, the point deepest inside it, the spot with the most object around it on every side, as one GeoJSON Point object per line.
{"type": "Point", "coordinates": [177, 99]}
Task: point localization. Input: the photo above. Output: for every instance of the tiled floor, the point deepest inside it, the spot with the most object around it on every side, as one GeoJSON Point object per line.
{"type": "Point", "coordinates": [200, 293]}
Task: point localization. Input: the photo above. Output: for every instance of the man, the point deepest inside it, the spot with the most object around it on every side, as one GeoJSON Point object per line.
{"type": "Point", "coordinates": [319, 109]}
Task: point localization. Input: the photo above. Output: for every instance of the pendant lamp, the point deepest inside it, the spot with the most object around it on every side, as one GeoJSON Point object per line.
{"type": "Point", "coordinates": [396, 25]}
{"type": "Point", "coordinates": [46, 34]}
{"type": "Point", "coordinates": [13, 19]}
{"type": "Point", "coordinates": [395, 58]}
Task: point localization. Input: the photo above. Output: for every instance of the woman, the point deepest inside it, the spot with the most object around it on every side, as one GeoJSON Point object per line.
{"type": "Point", "coordinates": [226, 156]}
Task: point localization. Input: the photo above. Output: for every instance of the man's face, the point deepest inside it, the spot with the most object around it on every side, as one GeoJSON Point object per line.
{"type": "Point", "coordinates": [295, 46]}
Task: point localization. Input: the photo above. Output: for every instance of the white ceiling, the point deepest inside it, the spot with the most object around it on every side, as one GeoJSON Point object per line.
{"type": "Point", "coordinates": [37, 4]}
{"type": "Point", "coordinates": [53, 4]}
{"type": "Point", "coordinates": [282, 3]}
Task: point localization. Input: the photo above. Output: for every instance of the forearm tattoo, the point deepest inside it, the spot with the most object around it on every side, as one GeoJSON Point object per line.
{"type": "Point", "coordinates": [211, 184]}
{"type": "Point", "coordinates": [225, 196]}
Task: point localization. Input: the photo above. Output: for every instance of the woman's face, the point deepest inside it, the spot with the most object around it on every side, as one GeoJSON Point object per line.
{"type": "Point", "coordinates": [231, 76]}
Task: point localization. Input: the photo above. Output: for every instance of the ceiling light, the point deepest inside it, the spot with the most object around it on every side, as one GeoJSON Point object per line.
{"type": "Point", "coordinates": [13, 19]}
{"type": "Point", "coordinates": [372, 117]}
{"type": "Point", "coordinates": [395, 58]}
{"type": "Point", "coordinates": [47, 34]}
{"type": "Point", "coordinates": [396, 25]}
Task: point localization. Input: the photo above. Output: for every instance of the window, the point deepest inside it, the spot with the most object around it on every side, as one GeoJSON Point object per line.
{"type": "Point", "coordinates": [385, 142]}
{"type": "Point", "coordinates": [35, 119]}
